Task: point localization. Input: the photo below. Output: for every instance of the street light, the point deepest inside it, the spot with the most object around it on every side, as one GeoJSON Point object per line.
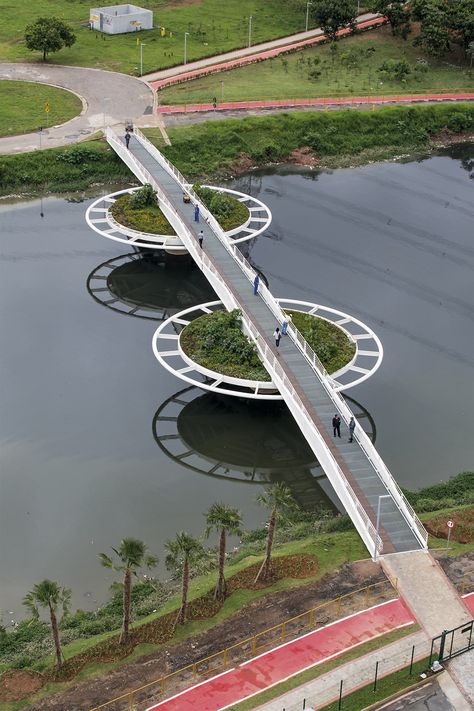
{"type": "Point", "coordinates": [250, 31]}
{"type": "Point", "coordinates": [307, 15]}
{"type": "Point", "coordinates": [185, 38]}
{"type": "Point", "coordinates": [382, 496]}
{"type": "Point", "coordinates": [142, 44]}
{"type": "Point", "coordinates": [222, 91]}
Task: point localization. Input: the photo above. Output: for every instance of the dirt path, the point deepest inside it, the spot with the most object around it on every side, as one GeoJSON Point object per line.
{"type": "Point", "coordinates": [258, 616]}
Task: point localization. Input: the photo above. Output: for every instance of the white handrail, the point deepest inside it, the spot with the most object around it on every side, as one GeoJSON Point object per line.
{"type": "Point", "coordinates": [191, 244]}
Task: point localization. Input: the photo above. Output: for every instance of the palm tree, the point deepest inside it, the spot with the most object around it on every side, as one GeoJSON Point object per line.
{"type": "Point", "coordinates": [276, 498]}
{"type": "Point", "coordinates": [226, 521]}
{"type": "Point", "coordinates": [132, 554]}
{"type": "Point", "coordinates": [181, 554]}
{"type": "Point", "coordinates": [50, 595]}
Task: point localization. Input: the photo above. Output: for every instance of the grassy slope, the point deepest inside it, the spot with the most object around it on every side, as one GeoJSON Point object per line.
{"type": "Point", "coordinates": [288, 78]}
{"type": "Point", "coordinates": [214, 27]}
{"type": "Point", "coordinates": [338, 137]}
{"type": "Point", "coordinates": [22, 106]}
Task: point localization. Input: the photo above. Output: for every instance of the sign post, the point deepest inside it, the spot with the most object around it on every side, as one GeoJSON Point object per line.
{"type": "Point", "coordinates": [450, 525]}
{"type": "Point", "coordinates": [46, 111]}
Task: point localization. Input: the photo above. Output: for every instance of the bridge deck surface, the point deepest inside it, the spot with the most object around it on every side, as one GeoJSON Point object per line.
{"type": "Point", "coordinates": [395, 531]}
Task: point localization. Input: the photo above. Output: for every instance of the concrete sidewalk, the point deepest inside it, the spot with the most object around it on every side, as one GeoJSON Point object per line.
{"type": "Point", "coordinates": [108, 98]}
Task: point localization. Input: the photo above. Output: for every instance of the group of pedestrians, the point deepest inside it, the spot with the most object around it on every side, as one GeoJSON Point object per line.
{"type": "Point", "coordinates": [336, 426]}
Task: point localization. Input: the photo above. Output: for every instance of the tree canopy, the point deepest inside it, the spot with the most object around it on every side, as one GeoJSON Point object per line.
{"type": "Point", "coordinates": [48, 34]}
{"type": "Point", "coordinates": [334, 15]}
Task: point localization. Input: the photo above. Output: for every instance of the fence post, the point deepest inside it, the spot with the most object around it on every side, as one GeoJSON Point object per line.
{"type": "Point", "coordinates": [130, 702]}
{"type": "Point", "coordinates": [304, 704]}
{"type": "Point", "coordinates": [339, 706]}
{"type": "Point", "coordinates": [367, 596]}
{"type": "Point", "coordinates": [431, 650]}
{"type": "Point", "coordinates": [376, 673]}
{"type": "Point", "coordinates": [411, 660]}
{"type": "Point", "coordinates": [194, 671]}
{"type": "Point", "coordinates": [311, 618]}
{"type": "Point", "coordinates": [441, 645]}
{"type": "Point", "coordinates": [254, 644]}
{"type": "Point", "coordinates": [225, 658]}
{"type": "Point", "coordinates": [283, 632]}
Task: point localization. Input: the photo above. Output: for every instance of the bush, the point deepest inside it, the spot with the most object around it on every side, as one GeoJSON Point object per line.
{"type": "Point", "coordinates": [227, 210]}
{"type": "Point", "coordinates": [78, 155]}
{"type": "Point", "coordinates": [144, 197]}
{"type": "Point", "coordinates": [397, 69]}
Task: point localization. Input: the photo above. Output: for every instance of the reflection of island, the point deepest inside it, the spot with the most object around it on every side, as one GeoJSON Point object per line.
{"type": "Point", "coordinates": [252, 442]}
{"type": "Point", "coordinates": [145, 285]}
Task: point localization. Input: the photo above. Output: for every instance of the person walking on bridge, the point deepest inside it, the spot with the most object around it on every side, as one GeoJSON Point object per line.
{"type": "Point", "coordinates": [352, 424]}
{"type": "Point", "coordinates": [336, 425]}
{"type": "Point", "coordinates": [200, 238]}
{"type": "Point", "coordinates": [127, 139]}
{"type": "Point", "coordinates": [277, 336]}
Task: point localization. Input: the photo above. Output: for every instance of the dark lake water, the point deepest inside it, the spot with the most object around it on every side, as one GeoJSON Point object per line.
{"type": "Point", "coordinates": [98, 442]}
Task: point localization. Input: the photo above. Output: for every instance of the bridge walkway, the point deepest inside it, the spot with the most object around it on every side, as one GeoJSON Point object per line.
{"type": "Point", "coordinates": [397, 531]}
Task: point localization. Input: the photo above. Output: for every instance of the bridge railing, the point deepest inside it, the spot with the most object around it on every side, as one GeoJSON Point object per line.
{"type": "Point", "coordinates": [366, 445]}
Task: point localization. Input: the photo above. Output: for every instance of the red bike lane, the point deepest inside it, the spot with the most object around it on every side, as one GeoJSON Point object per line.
{"type": "Point", "coordinates": [290, 658]}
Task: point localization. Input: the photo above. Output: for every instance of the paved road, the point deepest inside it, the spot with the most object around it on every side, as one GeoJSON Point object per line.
{"type": "Point", "coordinates": [107, 97]}
{"type": "Point", "coordinates": [427, 698]}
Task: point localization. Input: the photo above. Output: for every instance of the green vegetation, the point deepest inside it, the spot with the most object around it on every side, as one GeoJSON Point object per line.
{"type": "Point", "coordinates": [456, 491]}
{"type": "Point", "coordinates": [48, 34]}
{"type": "Point", "coordinates": [313, 673]}
{"type": "Point", "coordinates": [22, 106]}
{"type": "Point", "coordinates": [62, 170]}
{"type": "Point", "coordinates": [279, 500]}
{"type": "Point", "coordinates": [140, 211]}
{"type": "Point", "coordinates": [335, 15]}
{"type": "Point", "coordinates": [228, 211]}
{"type": "Point", "coordinates": [225, 520]}
{"type": "Point", "coordinates": [144, 219]}
{"type": "Point", "coordinates": [337, 138]}
{"type": "Point", "coordinates": [386, 686]}
{"type": "Point", "coordinates": [330, 343]}
{"type": "Point", "coordinates": [213, 27]}
{"type": "Point", "coordinates": [348, 68]}
{"type": "Point", "coordinates": [49, 595]}
{"type": "Point", "coordinates": [181, 554]}
{"type": "Point", "coordinates": [216, 341]}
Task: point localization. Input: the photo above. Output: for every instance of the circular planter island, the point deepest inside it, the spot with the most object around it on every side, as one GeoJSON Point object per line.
{"type": "Point", "coordinates": [205, 346]}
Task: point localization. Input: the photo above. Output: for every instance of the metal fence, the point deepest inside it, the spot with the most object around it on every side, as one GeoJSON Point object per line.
{"type": "Point", "coordinates": [154, 691]}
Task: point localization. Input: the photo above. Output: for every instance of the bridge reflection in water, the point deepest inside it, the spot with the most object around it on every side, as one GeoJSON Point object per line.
{"type": "Point", "coordinates": [246, 441]}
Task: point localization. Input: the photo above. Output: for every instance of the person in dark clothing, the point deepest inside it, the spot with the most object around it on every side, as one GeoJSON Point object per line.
{"type": "Point", "coordinates": [200, 238]}
{"type": "Point", "coordinates": [127, 139]}
{"type": "Point", "coordinates": [352, 425]}
{"type": "Point", "coordinates": [336, 425]}
{"type": "Point", "coordinates": [277, 336]}
{"type": "Point", "coordinates": [196, 213]}
{"type": "Point", "coordinates": [256, 282]}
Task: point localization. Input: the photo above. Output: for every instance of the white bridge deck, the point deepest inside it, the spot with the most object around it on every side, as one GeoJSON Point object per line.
{"type": "Point", "coordinates": [355, 470]}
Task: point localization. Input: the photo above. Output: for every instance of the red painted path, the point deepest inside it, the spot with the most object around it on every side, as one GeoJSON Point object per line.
{"type": "Point", "coordinates": [322, 101]}
{"type": "Point", "coordinates": [289, 659]}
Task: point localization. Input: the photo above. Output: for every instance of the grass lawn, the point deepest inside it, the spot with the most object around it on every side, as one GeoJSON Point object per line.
{"type": "Point", "coordinates": [351, 70]}
{"type": "Point", "coordinates": [22, 106]}
{"type": "Point", "coordinates": [214, 26]}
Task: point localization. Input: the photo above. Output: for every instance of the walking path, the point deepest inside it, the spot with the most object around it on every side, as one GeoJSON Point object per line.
{"type": "Point", "coordinates": [321, 103]}
{"type": "Point", "coordinates": [291, 658]}
{"type": "Point", "coordinates": [247, 55]}
{"type": "Point", "coordinates": [108, 99]}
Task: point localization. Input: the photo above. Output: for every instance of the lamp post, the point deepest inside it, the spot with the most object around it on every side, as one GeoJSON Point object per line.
{"type": "Point", "coordinates": [185, 43]}
{"type": "Point", "coordinates": [250, 31]}
{"type": "Point", "coordinates": [382, 496]}
{"type": "Point", "coordinates": [307, 15]}
{"type": "Point", "coordinates": [222, 91]}
{"type": "Point", "coordinates": [142, 44]}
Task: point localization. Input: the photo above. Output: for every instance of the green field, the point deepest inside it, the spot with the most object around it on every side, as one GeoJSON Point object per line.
{"type": "Point", "coordinates": [214, 26]}
{"type": "Point", "coordinates": [350, 70]}
{"type": "Point", "coordinates": [22, 106]}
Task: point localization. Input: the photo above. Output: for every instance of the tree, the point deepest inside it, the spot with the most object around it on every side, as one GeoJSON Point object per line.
{"type": "Point", "coordinates": [397, 69]}
{"type": "Point", "coordinates": [470, 53]}
{"type": "Point", "coordinates": [277, 498]}
{"type": "Point", "coordinates": [132, 554]}
{"type": "Point", "coordinates": [226, 521]}
{"type": "Point", "coordinates": [50, 595]}
{"type": "Point", "coordinates": [397, 13]}
{"type": "Point", "coordinates": [181, 554]}
{"type": "Point", "coordinates": [334, 15]}
{"type": "Point", "coordinates": [48, 34]}
{"type": "Point", "coordinates": [461, 22]}
{"type": "Point", "coordinates": [434, 32]}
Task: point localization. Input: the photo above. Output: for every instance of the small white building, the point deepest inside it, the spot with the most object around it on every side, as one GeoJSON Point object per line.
{"type": "Point", "coordinates": [117, 19]}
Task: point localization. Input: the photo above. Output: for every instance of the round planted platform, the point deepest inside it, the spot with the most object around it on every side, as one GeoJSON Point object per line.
{"type": "Point", "coordinates": [100, 219]}
{"type": "Point", "coordinates": [169, 352]}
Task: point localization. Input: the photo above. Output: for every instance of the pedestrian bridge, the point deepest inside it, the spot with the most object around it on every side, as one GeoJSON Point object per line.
{"type": "Point", "coordinates": [383, 517]}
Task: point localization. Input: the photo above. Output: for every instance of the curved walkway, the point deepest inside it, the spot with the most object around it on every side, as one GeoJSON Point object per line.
{"type": "Point", "coordinates": [108, 98]}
